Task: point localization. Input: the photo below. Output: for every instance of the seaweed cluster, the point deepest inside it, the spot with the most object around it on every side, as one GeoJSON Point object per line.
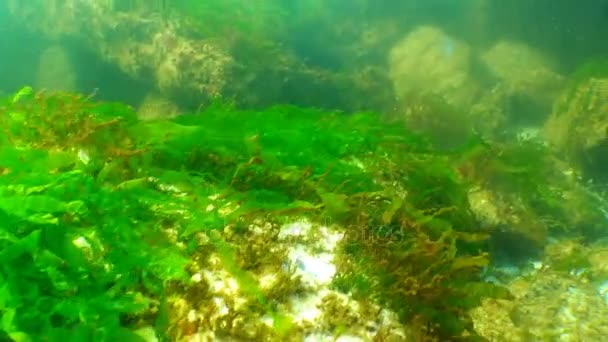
{"type": "Point", "coordinates": [93, 222]}
{"type": "Point", "coordinates": [111, 224]}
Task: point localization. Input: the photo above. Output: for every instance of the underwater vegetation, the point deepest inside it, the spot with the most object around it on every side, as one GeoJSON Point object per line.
{"type": "Point", "coordinates": [578, 126]}
{"type": "Point", "coordinates": [432, 172]}
{"type": "Point", "coordinates": [106, 217]}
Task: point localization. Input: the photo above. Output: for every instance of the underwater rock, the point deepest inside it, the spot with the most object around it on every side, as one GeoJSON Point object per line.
{"type": "Point", "coordinates": [428, 61]}
{"type": "Point", "coordinates": [509, 220]}
{"type": "Point", "coordinates": [578, 127]}
{"type": "Point", "coordinates": [434, 87]}
{"type": "Point", "coordinates": [283, 264]}
{"type": "Point", "coordinates": [155, 106]}
{"type": "Point", "coordinates": [552, 306]}
{"type": "Point", "coordinates": [491, 320]}
{"type": "Point", "coordinates": [197, 66]}
{"type": "Point", "coordinates": [490, 112]}
{"type": "Point", "coordinates": [523, 70]}
{"type": "Point", "coordinates": [519, 88]}
{"type": "Point", "coordinates": [552, 303]}
{"type": "Point", "coordinates": [485, 207]}
{"type": "Point", "coordinates": [445, 125]}
{"type": "Point", "coordinates": [140, 42]}
{"type": "Point", "coordinates": [483, 92]}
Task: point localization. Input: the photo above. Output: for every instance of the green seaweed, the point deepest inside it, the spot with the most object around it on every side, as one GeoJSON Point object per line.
{"type": "Point", "coordinates": [89, 196]}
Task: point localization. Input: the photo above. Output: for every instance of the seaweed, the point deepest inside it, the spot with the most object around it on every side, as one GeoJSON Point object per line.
{"type": "Point", "coordinates": [102, 214]}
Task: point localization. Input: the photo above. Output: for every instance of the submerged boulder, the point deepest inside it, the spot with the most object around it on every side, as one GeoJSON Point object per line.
{"type": "Point", "coordinates": [578, 127]}
{"type": "Point", "coordinates": [428, 61]}
{"type": "Point", "coordinates": [155, 106]}
{"type": "Point", "coordinates": [522, 69]}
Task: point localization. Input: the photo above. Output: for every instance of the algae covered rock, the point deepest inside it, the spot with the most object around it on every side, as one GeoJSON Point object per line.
{"type": "Point", "coordinates": [429, 61]}
{"type": "Point", "coordinates": [548, 307]}
{"type": "Point", "coordinates": [155, 106]}
{"type": "Point", "coordinates": [523, 70]}
{"type": "Point", "coordinates": [432, 85]}
{"type": "Point", "coordinates": [578, 127]}
{"type": "Point", "coordinates": [522, 190]}
{"type": "Point", "coordinates": [562, 298]}
{"type": "Point", "coordinates": [143, 44]}
{"type": "Point", "coordinates": [510, 83]}
{"type": "Point", "coordinates": [519, 87]}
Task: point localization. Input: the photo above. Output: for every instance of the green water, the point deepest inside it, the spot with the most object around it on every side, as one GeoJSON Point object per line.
{"type": "Point", "coordinates": [153, 153]}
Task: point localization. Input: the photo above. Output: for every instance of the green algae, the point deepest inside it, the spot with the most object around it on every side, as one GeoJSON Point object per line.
{"type": "Point", "coordinates": [75, 170]}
